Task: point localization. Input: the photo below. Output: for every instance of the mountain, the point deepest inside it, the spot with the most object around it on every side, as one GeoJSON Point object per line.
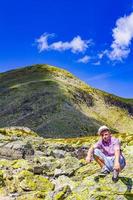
{"type": "Point", "coordinates": [54, 103]}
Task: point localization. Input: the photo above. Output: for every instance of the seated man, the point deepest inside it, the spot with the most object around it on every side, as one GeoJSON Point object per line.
{"type": "Point", "coordinates": [107, 153]}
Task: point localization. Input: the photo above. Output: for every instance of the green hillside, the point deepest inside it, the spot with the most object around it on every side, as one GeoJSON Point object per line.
{"type": "Point", "coordinates": [54, 103]}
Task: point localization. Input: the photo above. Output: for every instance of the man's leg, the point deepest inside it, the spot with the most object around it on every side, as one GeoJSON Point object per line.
{"type": "Point", "coordinates": [102, 160]}
{"type": "Point", "coordinates": [122, 162]}
{"type": "Point", "coordinates": [99, 161]}
{"type": "Point", "coordinates": [122, 165]}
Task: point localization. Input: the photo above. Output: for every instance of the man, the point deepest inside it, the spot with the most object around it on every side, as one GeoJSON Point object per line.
{"type": "Point", "coordinates": [107, 153]}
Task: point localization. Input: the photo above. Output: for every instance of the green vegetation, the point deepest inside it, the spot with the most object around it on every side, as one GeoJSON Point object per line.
{"type": "Point", "coordinates": [54, 103]}
{"type": "Point", "coordinates": [58, 170]}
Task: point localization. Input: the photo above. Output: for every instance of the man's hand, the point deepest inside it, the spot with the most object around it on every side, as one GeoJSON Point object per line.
{"type": "Point", "coordinates": [116, 162]}
{"type": "Point", "coordinates": [89, 154]}
{"type": "Point", "coordinates": [117, 166]}
{"type": "Point", "coordinates": [88, 159]}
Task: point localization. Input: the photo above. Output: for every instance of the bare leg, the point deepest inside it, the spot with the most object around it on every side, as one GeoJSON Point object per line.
{"type": "Point", "coordinates": [99, 161]}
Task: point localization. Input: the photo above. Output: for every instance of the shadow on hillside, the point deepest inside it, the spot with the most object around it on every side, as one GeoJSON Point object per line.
{"type": "Point", "coordinates": [129, 183]}
{"type": "Point", "coordinates": [47, 108]}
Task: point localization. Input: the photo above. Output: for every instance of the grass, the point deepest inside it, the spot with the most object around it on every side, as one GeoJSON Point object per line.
{"type": "Point", "coordinates": [55, 103]}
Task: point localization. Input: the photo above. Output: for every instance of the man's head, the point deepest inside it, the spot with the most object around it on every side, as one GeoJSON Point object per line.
{"type": "Point", "coordinates": [104, 132]}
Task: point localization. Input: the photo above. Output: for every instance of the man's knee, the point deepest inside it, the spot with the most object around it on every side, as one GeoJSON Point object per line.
{"type": "Point", "coordinates": [98, 157]}
{"type": "Point", "coordinates": [97, 152]}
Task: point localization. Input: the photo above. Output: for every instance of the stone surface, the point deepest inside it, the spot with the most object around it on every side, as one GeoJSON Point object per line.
{"type": "Point", "coordinates": [57, 170]}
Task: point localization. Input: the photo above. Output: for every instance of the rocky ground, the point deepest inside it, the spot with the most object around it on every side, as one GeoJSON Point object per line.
{"type": "Point", "coordinates": [34, 168]}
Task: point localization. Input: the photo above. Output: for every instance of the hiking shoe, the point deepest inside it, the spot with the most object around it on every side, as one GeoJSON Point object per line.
{"type": "Point", "coordinates": [115, 176]}
{"type": "Point", "coordinates": [104, 171]}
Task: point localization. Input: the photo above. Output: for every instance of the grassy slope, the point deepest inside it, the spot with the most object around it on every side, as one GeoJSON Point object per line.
{"type": "Point", "coordinates": [54, 103]}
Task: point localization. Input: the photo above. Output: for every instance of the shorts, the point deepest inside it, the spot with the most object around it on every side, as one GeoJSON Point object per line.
{"type": "Point", "coordinates": [109, 160]}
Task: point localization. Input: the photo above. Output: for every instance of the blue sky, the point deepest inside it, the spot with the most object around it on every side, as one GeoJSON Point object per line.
{"type": "Point", "coordinates": [93, 39]}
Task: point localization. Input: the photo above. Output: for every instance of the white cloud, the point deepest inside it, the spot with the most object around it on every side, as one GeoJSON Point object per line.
{"type": "Point", "coordinates": [122, 37]}
{"type": "Point", "coordinates": [79, 45]}
{"type": "Point", "coordinates": [102, 54]}
{"type": "Point", "coordinates": [42, 42]}
{"type": "Point", "coordinates": [84, 60]}
{"type": "Point", "coordinates": [75, 45]}
{"type": "Point", "coordinates": [97, 63]}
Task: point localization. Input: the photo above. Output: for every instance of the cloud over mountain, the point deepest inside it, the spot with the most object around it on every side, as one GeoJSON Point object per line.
{"type": "Point", "coordinates": [76, 45]}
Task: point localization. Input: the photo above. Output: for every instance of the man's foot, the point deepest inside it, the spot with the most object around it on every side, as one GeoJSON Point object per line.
{"type": "Point", "coordinates": [115, 176]}
{"type": "Point", "coordinates": [104, 172]}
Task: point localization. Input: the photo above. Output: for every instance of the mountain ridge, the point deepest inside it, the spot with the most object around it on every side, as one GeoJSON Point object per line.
{"type": "Point", "coordinates": [55, 103]}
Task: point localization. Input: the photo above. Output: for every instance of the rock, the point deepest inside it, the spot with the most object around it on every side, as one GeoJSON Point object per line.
{"type": "Point", "coordinates": [6, 198]}
{"type": "Point", "coordinates": [70, 165]}
{"type": "Point", "coordinates": [59, 171]}
{"type": "Point", "coordinates": [58, 153]}
{"type": "Point", "coordinates": [81, 152]}
{"type": "Point", "coordinates": [16, 149]}
{"type": "Point", "coordinates": [63, 181]}
{"type": "Point", "coordinates": [31, 182]}
{"type": "Point", "coordinates": [50, 167]}
{"type": "Point", "coordinates": [2, 183]}
{"type": "Point", "coordinates": [17, 130]}
{"type": "Point", "coordinates": [62, 193]}
{"type": "Point", "coordinates": [34, 195]}
{"type": "Point", "coordinates": [5, 164]}
{"type": "Point", "coordinates": [23, 164]}
{"type": "Point", "coordinates": [39, 153]}
{"type": "Point", "coordinates": [38, 169]}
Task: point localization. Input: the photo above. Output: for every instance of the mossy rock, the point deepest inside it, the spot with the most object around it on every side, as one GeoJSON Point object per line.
{"type": "Point", "coordinates": [63, 193]}
{"type": "Point", "coordinates": [5, 163]}
{"type": "Point", "coordinates": [32, 196]}
{"type": "Point", "coordinates": [17, 131]}
{"type": "Point", "coordinates": [31, 182]}
{"type": "Point", "coordinates": [2, 183]}
{"type": "Point", "coordinates": [21, 163]}
{"type": "Point", "coordinates": [70, 165]}
{"type": "Point", "coordinates": [12, 185]}
{"type": "Point", "coordinates": [3, 192]}
{"type": "Point", "coordinates": [85, 171]}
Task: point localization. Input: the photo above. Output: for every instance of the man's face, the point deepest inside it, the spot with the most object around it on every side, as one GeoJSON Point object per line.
{"type": "Point", "coordinates": [106, 135]}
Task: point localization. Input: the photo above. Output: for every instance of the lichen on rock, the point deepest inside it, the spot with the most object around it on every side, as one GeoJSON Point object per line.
{"type": "Point", "coordinates": [58, 170]}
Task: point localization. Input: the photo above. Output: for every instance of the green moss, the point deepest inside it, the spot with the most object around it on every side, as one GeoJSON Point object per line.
{"type": "Point", "coordinates": [28, 184]}
{"type": "Point", "coordinates": [79, 195]}
{"type": "Point", "coordinates": [3, 191]}
{"type": "Point", "coordinates": [62, 194]}
{"type": "Point", "coordinates": [16, 132]}
{"type": "Point", "coordinates": [86, 171]}
{"type": "Point", "coordinates": [32, 196]}
{"type": "Point", "coordinates": [5, 163]}
{"type": "Point", "coordinates": [130, 143]}
{"type": "Point", "coordinates": [31, 182]}
{"type": "Point", "coordinates": [21, 163]}
{"type": "Point", "coordinates": [11, 185]}
{"type": "Point", "coordinates": [2, 183]}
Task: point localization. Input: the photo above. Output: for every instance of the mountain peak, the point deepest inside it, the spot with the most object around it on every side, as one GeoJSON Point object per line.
{"type": "Point", "coordinates": [54, 103]}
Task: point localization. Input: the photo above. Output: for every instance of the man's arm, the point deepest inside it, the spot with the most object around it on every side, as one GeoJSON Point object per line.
{"type": "Point", "coordinates": [89, 154]}
{"type": "Point", "coordinates": [91, 150]}
{"type": "Point", "coordinates": [117, 156]}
